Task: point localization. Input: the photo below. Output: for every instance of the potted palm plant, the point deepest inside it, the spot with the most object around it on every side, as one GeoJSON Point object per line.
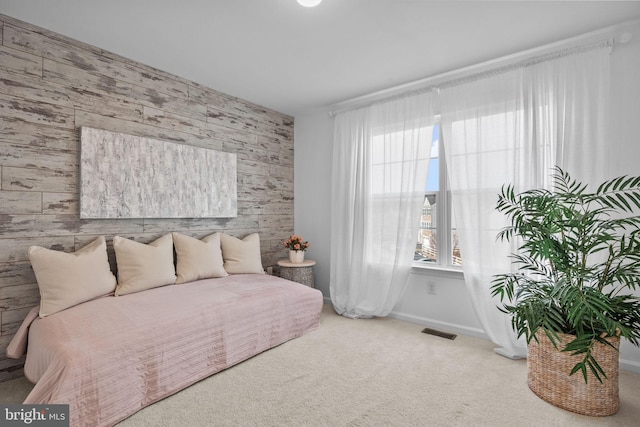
{"type": "Point", "coordinates": [572, 295]}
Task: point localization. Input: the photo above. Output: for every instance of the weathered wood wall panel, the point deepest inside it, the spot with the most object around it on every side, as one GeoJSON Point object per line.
{"type": "Point", "coordinates": [50, 86]}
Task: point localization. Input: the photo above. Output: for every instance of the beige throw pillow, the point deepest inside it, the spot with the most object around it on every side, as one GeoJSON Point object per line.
{"type": "Point", "coordinates": [198, 259]}
{"type": "Point", "coordinates": [68, 279]}
{"type": "Point", "coordinates": [143, 266]}
{"type": "Point", "coordinates": [241, 256]}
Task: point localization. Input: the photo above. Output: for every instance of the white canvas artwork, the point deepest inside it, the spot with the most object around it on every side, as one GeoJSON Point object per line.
{"type": "Point", "coordinates": [125, 176]}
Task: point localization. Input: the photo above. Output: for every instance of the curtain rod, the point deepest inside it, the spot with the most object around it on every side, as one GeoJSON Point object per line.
{"type": "Point", "coordinates": [487, 69]}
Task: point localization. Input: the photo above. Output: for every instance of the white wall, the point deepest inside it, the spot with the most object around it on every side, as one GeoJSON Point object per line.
{"type": "Point", "coordinates": [625, 104]}
{"type": "Point", "coordinates": [313, 139]}
{"type": "Point", "coordinates": [440, 300]}
{"type": "Point", "coordinates": [450, 308]}
{"type": "Point", "coordinates": [625, 135]}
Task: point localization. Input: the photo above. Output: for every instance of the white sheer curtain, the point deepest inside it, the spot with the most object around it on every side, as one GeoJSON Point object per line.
{"type": "Point", "coordinates": [380, 164]}
{"type": "Point", "coordinates": [514, 127]}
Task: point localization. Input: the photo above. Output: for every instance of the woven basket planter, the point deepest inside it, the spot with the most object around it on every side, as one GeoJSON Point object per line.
{"type": "Point", "coordinates": [548, 377]}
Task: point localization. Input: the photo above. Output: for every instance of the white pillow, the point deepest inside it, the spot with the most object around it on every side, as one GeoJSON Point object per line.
{"type": "Point", "coordinates": [241, 256]}
{"type": "Point", "coordinates": [198, 259]}
{"type": "Point", "coordinates": [68, 279]}
{"type": "Point", "coordinates": [143, 266]}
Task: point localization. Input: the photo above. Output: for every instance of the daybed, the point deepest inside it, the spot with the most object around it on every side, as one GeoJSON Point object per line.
{"type": "Point", "coordinates": [110, 356]}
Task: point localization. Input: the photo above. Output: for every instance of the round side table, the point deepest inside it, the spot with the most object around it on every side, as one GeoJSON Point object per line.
{"type": "Point", "coordinates": [301, 272]}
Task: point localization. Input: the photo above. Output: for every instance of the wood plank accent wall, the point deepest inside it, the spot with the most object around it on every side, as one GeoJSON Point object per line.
{"type": "Point", "coordinates": [50, 86]}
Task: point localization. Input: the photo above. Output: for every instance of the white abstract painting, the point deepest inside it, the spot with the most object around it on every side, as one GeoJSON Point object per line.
{"type": "Point", "coordinates": [125, 176]}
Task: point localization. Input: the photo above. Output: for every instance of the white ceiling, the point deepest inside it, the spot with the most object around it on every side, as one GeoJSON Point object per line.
{"type": "Point", "coordinates": [290, 58]}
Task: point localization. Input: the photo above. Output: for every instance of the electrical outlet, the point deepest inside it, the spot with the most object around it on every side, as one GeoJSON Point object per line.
{"type": "Point", "coordinates": [431, 288]}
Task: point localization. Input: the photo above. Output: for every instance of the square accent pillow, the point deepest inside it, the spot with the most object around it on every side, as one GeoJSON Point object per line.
{"type": "Point", "coordinates": [67, 279]}
{"type": "Point", "coordinates": [198, 259]}
{"type": "Point", "coordinates": [143, 266]}
{"type": "Point", "coordinates": [241, 256]}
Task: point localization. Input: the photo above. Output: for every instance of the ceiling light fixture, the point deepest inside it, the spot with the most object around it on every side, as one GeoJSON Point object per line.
{"type": "Point", "coordinates": [309, 3]}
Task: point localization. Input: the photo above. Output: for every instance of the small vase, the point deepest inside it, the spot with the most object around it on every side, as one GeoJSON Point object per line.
{"type": "Point", "coordinates": [296, 257]}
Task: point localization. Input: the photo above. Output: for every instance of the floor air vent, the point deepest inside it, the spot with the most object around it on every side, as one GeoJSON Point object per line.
{"type": "Point", "coordinates": [440, 334]}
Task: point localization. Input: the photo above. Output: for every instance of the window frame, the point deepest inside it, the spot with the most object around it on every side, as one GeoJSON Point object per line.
{"type": "Point", "coordinates": [444, 245]}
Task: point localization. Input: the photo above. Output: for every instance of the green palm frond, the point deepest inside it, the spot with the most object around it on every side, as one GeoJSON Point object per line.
{"type": "Point", "coordinates": [580, 252]}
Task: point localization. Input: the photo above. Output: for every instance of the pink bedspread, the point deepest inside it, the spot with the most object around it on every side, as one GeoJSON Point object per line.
{"type": "Point", "coordinates": [110, 357]}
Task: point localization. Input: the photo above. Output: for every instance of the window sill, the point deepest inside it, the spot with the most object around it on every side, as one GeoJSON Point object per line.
{"type": "Point", "coordinates": [419, 268]}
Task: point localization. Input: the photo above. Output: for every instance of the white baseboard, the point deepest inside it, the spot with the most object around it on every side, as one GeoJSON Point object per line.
{"type": "Point", "coordinates": [630, 365]}
{"type": "Point", "coordinates": [626, 365]}
{"type": "Point", "coordinates": [437, 324]}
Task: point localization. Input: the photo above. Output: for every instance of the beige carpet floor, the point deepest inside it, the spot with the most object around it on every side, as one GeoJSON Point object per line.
{"type": "Point", "coordinates": [379, 372]}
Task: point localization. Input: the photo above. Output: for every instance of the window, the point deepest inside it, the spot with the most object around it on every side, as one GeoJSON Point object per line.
{"type": "Point", "coordinates": [437, 243]}
{"type": "Point", "coordinates": [392, 174]}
